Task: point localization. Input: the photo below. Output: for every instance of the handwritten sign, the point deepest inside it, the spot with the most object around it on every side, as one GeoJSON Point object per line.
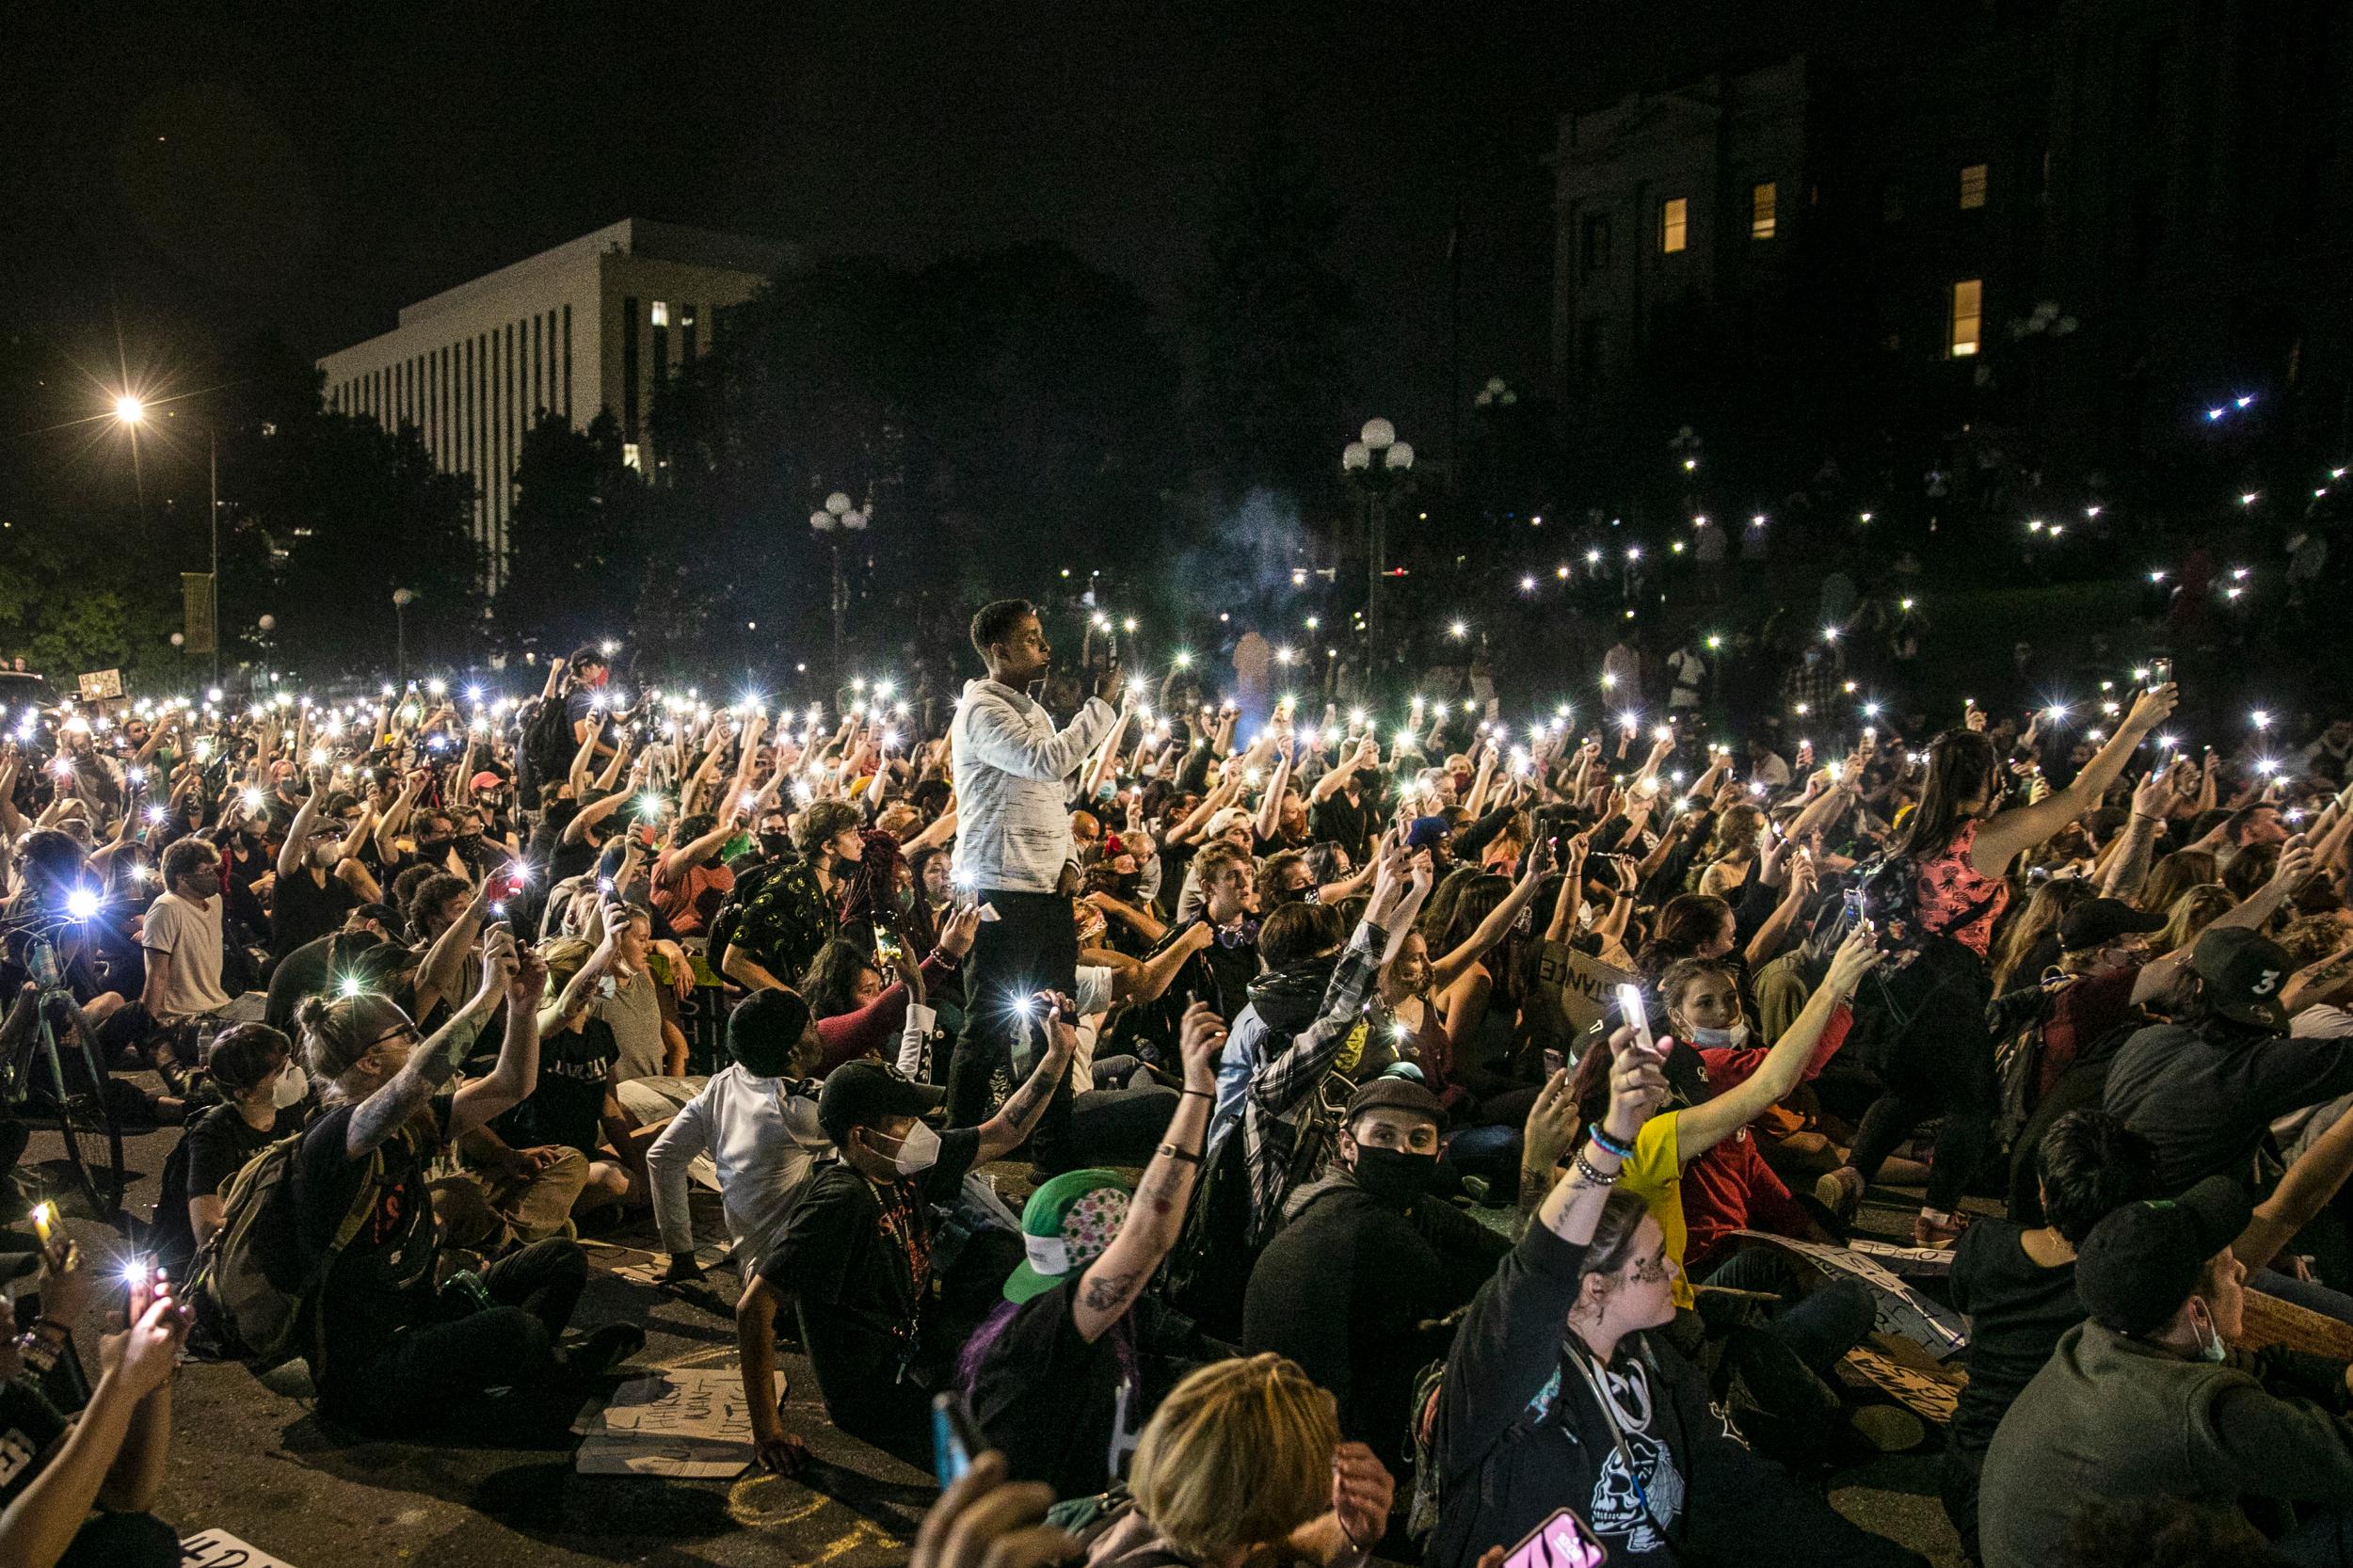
{"type": "Point", "coordinates": [99, 685]}
{"type": "Point", "coordinates": [688, 1421]}
{"type": "Point", "coordinates": [220, 1549]}
{"type": "Point", "coordinates": [1902, 1310]}
{"type": "Point", "coordinates": [680, 1456]}
{"type": "Point", "coordinates": [1581, 985]}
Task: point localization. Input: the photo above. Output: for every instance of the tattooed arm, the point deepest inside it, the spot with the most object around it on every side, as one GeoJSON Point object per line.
{"type": "Point", "coordinates": [430, 1065]}
{"type": "Point", "coordinates": [1003, 1132]}
{"type": "Point", "coordinates": [1157, 1214]}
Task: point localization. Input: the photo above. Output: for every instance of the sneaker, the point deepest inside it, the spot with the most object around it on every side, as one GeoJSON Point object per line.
{"type": "Point", "coordinates": [1840, 1192]}
{"type": "Point", "coordinates": [1938, 1229]}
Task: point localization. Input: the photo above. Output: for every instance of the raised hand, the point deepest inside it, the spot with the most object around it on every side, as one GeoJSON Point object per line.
{"type": "Point", "coordinates": [1363, 1491]}
{"type": "Point", "coordinates": [1201, 1044]}
{"type": "Point", "coordinates": [1550, 1130]}
{"type": "Point", "coordinates": [1637, 1085]}
{"type": "Point", "coordinates": [2152, 709]}
{"type": "Point", "coordinates": [1857, 956]}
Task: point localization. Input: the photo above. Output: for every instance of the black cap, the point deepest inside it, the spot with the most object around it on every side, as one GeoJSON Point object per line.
{"type": "Point", "coordinates": [2141, 1263]}
{"type": "Point", "coordinates": [765, 1030]}
{"type": "Point", "coordinates": [863, 1093]}
{"type": "Point", "coordinates": [1395, 1092]}
{"type": "Point", "coordinates": [2243, 974]}
{"type": "Point", "coordinates": [2096, 922]}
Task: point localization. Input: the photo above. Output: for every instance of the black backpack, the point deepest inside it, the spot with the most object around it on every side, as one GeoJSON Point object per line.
{"type": "Point", "coordinates": [547, 750]}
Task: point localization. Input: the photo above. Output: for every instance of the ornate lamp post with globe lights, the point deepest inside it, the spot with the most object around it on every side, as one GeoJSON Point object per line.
{"type": "Point", "coordinates": [1380, 466]}
{"type": "Point", "coordinates": [838, 515]}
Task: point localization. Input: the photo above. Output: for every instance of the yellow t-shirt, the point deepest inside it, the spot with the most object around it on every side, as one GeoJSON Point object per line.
{"type": "Point", "coordinates": [1655, 1175]}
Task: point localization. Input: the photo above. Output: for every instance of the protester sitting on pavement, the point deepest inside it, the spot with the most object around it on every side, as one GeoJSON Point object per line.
{"type": "Point", "coordinates": [1061, 1377]}
{"type": "Point", "coordinates": [264, 1096]}
{"type": "Point", "coordinates": [791, 914]}
{"type": "Point", "coordinates": [319, 877]}
{"type": "Point", "coordinates": [575, 1104]}
{"type": "Point", "coordinates": [855, 1261]}
{"type": "Point", "coordinates": [757, 1119]}
{"type": "Point", "coordinates": [1357, 1286]}
{"type": "Point", "coordinates": [316, 968]}
{"type": "Point", "coordinates": [1557, 1393]}
{"type": "Point", "coordinates": [2017, 1285]}
{"type": "Point", "coordinates": [2146, 1399]}
{"type": "Point", "coordinates": [388, 1346]}
{"type": "Point", "coordinates": [75, 1488]}
{"type": "Point", "coordinates": [1244, 1462]}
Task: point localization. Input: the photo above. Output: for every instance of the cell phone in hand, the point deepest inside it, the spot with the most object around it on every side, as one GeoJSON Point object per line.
{"type": "Point", "coordinates": [1632, 1009]}
{"type": "Point", "coordinates": [955, 1437]}
{"type": "Point", "coordinates": [1563, 1541]}
{"type": "Point", "coordinates": [2160, 673]}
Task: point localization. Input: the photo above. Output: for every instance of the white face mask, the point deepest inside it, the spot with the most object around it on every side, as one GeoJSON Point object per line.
{"type": "Point", "coordinates": [1717, 1039]}
{"type": "Point", "coordinates": [292, 1085]}
{"type": "Point", "coordinates": [918, 1151]}
{"type": "Point", "coordinates": [2210, 1346]}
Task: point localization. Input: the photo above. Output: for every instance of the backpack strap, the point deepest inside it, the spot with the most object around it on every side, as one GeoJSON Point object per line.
{"type": "Point", "coordinates": [347, 1229]}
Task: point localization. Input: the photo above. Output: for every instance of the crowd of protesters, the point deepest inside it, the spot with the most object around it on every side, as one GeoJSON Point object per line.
{"type": "Point", "coordinates": [1366, 1212]}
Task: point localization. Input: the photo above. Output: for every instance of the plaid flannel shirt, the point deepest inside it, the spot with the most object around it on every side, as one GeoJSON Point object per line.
{"type": "Point", "coordinates": [1282, 1094]}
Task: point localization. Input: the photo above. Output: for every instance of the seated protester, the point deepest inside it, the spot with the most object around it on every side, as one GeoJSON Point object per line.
{"type": "Point", "coordinates": [689, 878]}
{"type": "Point", "coordinates": [629, 1001]}
{"type": "Point", "coordinates": [2145, 1400]}
{"type": "Point", "coordinates": [1244, 1462]}
{"type": "Point", "coordinates": [1300, 944]}
{"type": "Point", "coordinates": [1230, 905]}
{"type": "Point", "coordinates": [182, 935]}
{"type": "Point", "coordinates": [56, 1468]}
{"type": "Point", "coordinates": [855, 1258]}
{"type": "Point", "coordinates": [319, 881]}
{"type": "Point", "coordinates": [1057, 1374]}
{"type": "Point", "coordinates": [781, 927]}
{"type": "Point", "coordinates": [388, 1349]}
{"type": "Point", "coordinates": [1557, 1393]}
{"type": "Point", "coordinates": [2205, 1090]}
{"type": "Point", "coordinates": [315, 968]}
{"type": "Point", "coordinates": [573, 1105]}
{"type": "Point", "coordinates": [265, 1097]}
{"type": "Point", "coordinates": [1354, 1286]}
{"type": "Point", "coordinates": [757, 1120]}
{"type": "Point", "coordinates": [859, 1016]}
{"type": "Point", "coordinates": [2017, 1286]}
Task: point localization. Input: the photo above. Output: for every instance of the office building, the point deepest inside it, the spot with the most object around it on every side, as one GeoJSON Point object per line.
{"type": "Point", "coordinates": [589, 327]}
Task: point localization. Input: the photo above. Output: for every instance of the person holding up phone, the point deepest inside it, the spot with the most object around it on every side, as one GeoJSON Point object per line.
{"type": "Point", "coordinates": [1558, 1392]}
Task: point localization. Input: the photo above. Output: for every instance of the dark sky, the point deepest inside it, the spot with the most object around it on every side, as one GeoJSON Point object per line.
{"type": "Point", "coordinates": [171, 176]}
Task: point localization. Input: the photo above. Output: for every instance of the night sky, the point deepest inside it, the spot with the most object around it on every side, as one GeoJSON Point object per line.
{"type": "Point", "coordinates": [180, 180]}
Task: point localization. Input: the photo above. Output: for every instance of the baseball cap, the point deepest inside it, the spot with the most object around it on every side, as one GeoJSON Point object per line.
{"type": "Point", "coordinates": [1427, 830]}
{"type": "Point", "coordinates": [1065, 1227]}
{"type": "Point", "coordinates": [2242, 972]}
{"type": "Point", "coordinates": [1227, 819]}
{"type": "Point", "coordinates": [487, 780]}
{"type": "Point", "coordinates": [2096, 922]}
{"type": "Point", "coordinates": [2140, 1264]}
{"type": "Point", "coordinates": [765, 1031]}
{"type": "Point", "coordinates": [862, 1094]}
{"type": "Point", "coordinates": [1395, 1091]}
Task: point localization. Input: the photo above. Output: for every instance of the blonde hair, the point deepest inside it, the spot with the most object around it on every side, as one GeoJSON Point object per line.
{"type": "Point", "coordinates": [336, 1033]}
{"type": "Point", "coordinates": [1240, 1454]}
{"type": "Point", "coordinates": [2191, 914]}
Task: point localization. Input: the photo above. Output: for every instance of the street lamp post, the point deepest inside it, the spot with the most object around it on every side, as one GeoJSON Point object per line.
{"type": "Point", "coordinates": [838, 514]}
{"type": "Point", "coordinates": [1380, 466]}
{"type": "Point", "coordinates": [402, 599]}
{"type": "Point", "coordinates": [131, 412]}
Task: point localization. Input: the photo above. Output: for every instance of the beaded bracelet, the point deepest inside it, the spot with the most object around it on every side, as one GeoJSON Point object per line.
{"type": "Point", "coordinates": [1603, 1141]}
{"type": "Point", "coordinates": [1593, 1173]}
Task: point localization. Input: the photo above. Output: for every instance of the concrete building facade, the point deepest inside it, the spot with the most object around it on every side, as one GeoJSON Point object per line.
{"type": "Point", "coordinates": [589, 327]}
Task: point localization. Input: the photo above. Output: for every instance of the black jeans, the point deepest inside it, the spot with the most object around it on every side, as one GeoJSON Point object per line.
{"type": "Point", "coordinates": [1938, 1057]}
{"type": "Point", "coordinates": [426, 1373]}
{"type": "Point", "coordinates": [1031, 946]}
{"type": "Point", "coordinates": [123, 1540]}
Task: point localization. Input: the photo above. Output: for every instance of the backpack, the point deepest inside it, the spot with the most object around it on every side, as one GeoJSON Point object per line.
{"type": "Point", "coordinates": [547, 750]}
{"type": "Point", "coordinates": [1208, 1270]}
{"type": "Point", "coordinates": [252, 1273]}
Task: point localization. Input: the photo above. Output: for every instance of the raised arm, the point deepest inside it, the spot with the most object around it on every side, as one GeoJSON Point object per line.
{"type": "Point", "coordinates": [290, 854]}
{"type": "Point", "coordinates": [1003, 1132]}
{"type": "Point", "coordinates": [431, 1065]}
{"type": "Point", "coordinates": [2002, 836]}
{"type": "Point", "coordinates": [440, 976]}
{"type": "Point", "coordinates": [2157, 978]}
{"type": "Point", "coordinates": [1114, 1280]}
{"type": "Point", "coordinates": [1705, 1124]}
{"type": "Point", "coordinates": [1489, 931]}
{"type": "Point", "coordinates": [516, 1074]}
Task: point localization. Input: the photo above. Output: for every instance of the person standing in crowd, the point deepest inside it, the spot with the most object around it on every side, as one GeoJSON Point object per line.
{"type": "Point", "coordinates": [1014, 772]}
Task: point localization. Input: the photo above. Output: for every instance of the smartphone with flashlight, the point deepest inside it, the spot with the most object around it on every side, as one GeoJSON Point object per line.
{"type": "Point", "coordinates": [2160, 673]}
{"type": "Point", "coordinates": [955, 1437]}
{"type": "Point", "coordinates": [1633, 1010]}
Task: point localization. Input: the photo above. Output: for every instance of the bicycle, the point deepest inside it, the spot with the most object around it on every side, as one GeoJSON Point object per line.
{"type": "Point", "coordinates": [81, 1112]}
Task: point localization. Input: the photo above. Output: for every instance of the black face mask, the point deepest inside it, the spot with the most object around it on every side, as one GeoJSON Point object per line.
{"type": "Point", "coordinates": [1394, 1176]}
{"type": "Point", "coordinates": [433, 849]}
{"type": "Point", "coordinates": [775, 845]}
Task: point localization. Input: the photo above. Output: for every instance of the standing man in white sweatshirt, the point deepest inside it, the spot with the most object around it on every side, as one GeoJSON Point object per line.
{"type": "Point", "coordinates": [1013, 774]}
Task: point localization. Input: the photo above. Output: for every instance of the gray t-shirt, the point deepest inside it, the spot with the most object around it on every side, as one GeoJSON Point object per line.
{"type": "Point", "coordinates": [191, 937]}
{"type": "Point", "coordinates": [634, 1013]}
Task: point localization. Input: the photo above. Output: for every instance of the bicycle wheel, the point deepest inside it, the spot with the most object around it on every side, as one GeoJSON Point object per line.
{"type": "Point", "coordinates": [86, 1120]}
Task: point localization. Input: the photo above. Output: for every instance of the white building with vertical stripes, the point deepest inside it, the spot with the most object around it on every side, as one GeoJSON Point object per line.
{"type": "Point", "coordinates": [590, 326]}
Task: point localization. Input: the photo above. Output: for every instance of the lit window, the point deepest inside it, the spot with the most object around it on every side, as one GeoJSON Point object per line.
{"type": "Point", "coordinates": [1673, 220]}
{"type": "Point", "coordinates": [1761, 201]}
{"type": "Point", "coordinates": [629, 456]}
{"type": "Point", "coordinates": [1973, 186]}
{"type": "Point", "coordinates": [1967, 299]}
{"type": "Point", "coordinates": [661, 312]}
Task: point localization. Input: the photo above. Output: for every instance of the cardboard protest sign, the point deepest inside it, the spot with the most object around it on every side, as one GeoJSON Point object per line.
{"type": "Point", "coordinates": [220, 1549]}
{"type": "Point", "coordinates": [1902, 1311]}
{"type": "Point", "coordinates": [1580, 988]}
{"type": "Point", "coordinates": [688, 1421]}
